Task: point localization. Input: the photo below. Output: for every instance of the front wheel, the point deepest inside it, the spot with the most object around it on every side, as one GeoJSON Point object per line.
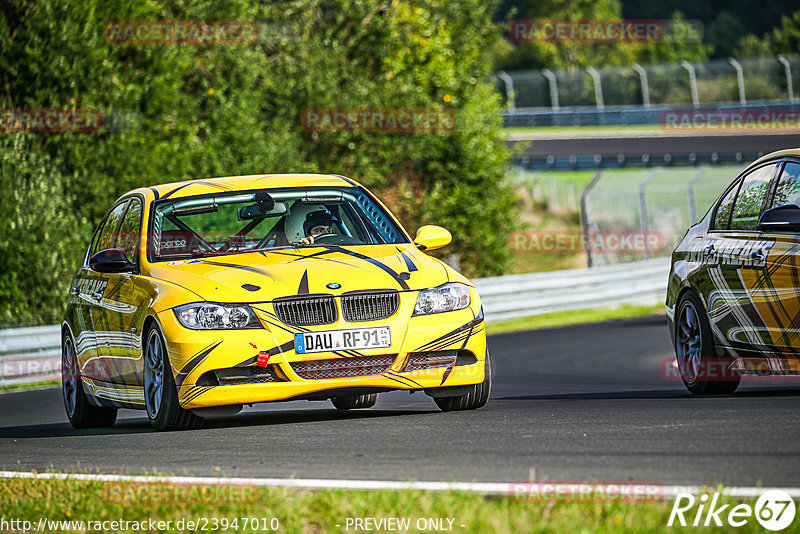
{"type": "Point", "coordinates": [702, 371]}
{"type": "Point", "coordinates": [160, 393]}
{"type": "Point", "coordinates": [476, 396]}
{"type": "Point", "coordinates": [81, 413]}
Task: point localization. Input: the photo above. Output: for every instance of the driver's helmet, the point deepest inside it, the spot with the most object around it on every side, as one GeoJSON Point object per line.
{"type": "Point", "coordinates": [296, 221]}
{"type": "Point", "coordinates": [317, 218]}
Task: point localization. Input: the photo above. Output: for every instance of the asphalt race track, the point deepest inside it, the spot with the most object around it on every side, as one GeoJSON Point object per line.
{"type": "Point", "coordinates": [575, 403]}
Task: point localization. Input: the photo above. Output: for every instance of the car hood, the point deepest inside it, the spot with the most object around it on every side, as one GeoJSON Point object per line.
{"type": "Point", "coordinates": [261, 276]}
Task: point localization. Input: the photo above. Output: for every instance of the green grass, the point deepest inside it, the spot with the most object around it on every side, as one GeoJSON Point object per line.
{"type": "Point", "coordinates": [321, 511]}
{"type": "Point", "coordinates": [44, 383]}
{"type": "Point", "coordinates": [548, 320]}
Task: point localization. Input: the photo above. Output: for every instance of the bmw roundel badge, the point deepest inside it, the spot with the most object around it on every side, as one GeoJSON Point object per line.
{"type": "Point", "coordinates": [333, 285]}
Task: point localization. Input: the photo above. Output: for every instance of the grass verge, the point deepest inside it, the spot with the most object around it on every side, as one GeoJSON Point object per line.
{"type": "Point", "coordinates": [548, 320]}
{"type": "Point", "coordinates": [44, 383]}
{"type": "Point", "coordinates": [304, 511]}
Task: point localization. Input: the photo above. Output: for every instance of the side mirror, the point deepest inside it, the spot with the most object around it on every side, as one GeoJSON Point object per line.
{"type": "Point", "coordinates": [431, 237]}
{"type": "Point", "coordinates": [784, 218]}
{"type": "Point", "coordinates": [111, 260]}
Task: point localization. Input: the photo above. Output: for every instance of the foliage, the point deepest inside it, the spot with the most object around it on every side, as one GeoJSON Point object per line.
{"type": "Point", "coordinates": [783, 39]}
{"type": "Point", "coordinates": [182, 111]}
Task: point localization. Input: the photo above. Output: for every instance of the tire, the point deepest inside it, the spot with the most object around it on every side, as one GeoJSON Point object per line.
{"type": "Point", "coordinates": [81, 413]}
{"type": "Point", "coordinates": [477, 396]}
{"type": "Point", "coordinates": [702, 371]}
{"type": "Point", "coordinates": [353, 402]}
{"type": "Point", "coordinates": [160, 392]}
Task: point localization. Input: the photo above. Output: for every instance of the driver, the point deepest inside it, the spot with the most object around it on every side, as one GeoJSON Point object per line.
{"type": "Point", "coordinates": [318, 223]}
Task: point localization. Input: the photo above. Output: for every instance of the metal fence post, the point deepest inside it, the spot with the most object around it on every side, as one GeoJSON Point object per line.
{"type": "Point", "coordinates": [645, 87]}
{"type": "Point", "coordinates": [585, 216]}
{"type": "Point", "coordinates": [598, 87]}
{"type": "Point", "coordinates": [643, 224]}
{"type": "Point", "coordinates": [692, 204]}
{"type": "Point", "coordinates": [553, 84]}
{"type": "Point", "coordinates": [509, 83]}
{"type": "Point", "coordinates": [739, 78]}
{"type": "Point", "coordinates": [787, 67]}
{"type": "Point", "coordinates": [692, 82]}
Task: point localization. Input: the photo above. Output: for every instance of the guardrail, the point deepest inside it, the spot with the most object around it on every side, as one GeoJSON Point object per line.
{"type": "Point", "coordinates": [524, 295]}
{"type": "Point", "coordinates": [33, 354]}
{"type": "Point", "coordinates": [30, 354]}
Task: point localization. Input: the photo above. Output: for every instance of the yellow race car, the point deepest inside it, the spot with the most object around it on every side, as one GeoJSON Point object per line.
{"type": "Point", "coordinates": [196, 298]}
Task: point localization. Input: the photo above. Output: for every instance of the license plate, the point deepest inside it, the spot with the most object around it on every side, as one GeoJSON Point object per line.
{"type": "Point", "coordinates": [378, 337]}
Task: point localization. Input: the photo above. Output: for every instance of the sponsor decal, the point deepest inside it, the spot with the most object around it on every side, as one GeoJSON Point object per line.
{"type": "Point", "coordinates": [745, 253]}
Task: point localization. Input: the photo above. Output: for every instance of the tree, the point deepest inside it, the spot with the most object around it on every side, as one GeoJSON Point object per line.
{"type": "Point", "coordinates": [784, 39]}
{"type": "Point", "coordinates": [181, 111]}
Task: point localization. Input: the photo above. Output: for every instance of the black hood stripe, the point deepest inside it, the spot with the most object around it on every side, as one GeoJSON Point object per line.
{"type": "Point", "coordinates": [194, 362]}
{"type": "Point", "coordinates": [409, 264]}
{"type": "Point", "coordinates": [303, 288]}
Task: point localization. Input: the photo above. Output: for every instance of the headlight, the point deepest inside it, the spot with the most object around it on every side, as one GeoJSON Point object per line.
{"type": "Point", "coordinates": [446, 297]}
{"type": "Point", "coordinates": [209, 316]}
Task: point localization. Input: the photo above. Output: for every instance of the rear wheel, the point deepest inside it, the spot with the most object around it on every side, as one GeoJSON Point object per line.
{"type": "Point", "coordinates": [160, 392]}
{"type": "Point", "coordinates": [353, 402]}
{"type": "Point", "coordinates": [476, 396]}
{"type": "Point", "coordinates": [81, 413]}
{"type": "Point", "coordinates": [702, 371]}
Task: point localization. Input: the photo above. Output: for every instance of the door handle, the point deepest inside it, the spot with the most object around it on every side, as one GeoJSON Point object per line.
{"type": "Point", "coordinates": [710, 250]}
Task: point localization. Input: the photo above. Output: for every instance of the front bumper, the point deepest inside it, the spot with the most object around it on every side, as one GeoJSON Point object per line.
{"type": "Point", "coordinates": [194, 353]}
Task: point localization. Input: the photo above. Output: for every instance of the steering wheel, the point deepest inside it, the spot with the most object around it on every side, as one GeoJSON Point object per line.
{"type": "Point", "coordinates": [324, 236]}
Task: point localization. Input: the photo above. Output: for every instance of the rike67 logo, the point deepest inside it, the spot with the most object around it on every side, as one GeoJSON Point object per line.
{"type": "Point", "coordinates": [774, 510]}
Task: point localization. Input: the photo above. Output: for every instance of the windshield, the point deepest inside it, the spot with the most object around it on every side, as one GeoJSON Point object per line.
{"type": "Point", "coordinates": [229, 223]}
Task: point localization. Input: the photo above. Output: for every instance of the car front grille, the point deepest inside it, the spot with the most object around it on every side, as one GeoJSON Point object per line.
{"type": "Point", "coordinates": [343, 367]}
{"type": "Point", "coordinates": [420, 361]}
{"type": "Point", "coordinates": [306, 311]}
{"type": "Point", "coordinates": [369, 306]}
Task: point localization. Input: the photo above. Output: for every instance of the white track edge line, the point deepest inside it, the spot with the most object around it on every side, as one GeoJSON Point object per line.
{"type": "Point", "coordinates": [491, 488]}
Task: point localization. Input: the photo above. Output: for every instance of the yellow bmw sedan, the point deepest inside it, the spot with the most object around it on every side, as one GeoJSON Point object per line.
{"type": "Point", "coordinates": [196, 298]}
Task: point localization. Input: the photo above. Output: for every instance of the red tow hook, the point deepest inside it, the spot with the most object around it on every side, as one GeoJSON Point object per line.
{"type": "Point", "coordinates": [263, 359]}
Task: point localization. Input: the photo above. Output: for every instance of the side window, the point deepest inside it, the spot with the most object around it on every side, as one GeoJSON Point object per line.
{"type": "Point", "coordinates": [723, 214]}
{"type": "Point", "coordinates": [751, 198]}
{"type": "Point", "coordinates": [128, 240]}
{"type": "Point", "coordinates": [788, 189]}
{"type": "Point", "coordinates": [106, 237]}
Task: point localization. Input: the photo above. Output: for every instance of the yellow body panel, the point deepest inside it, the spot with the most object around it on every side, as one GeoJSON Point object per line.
{"type": "Point", "coordinates": [148, 298]}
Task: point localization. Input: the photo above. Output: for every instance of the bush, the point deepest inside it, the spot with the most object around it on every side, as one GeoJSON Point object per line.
{"type": "Point", "coordinates": [191, 111]}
